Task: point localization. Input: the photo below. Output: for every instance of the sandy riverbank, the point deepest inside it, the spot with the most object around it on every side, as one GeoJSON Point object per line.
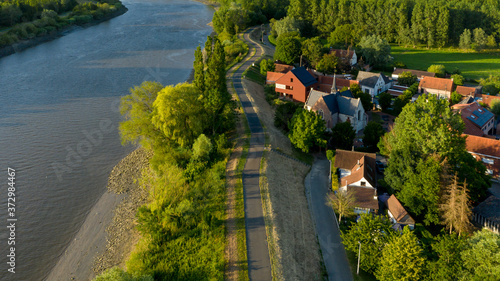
{"type": "Point", "coordinates": [25, 44]}
{"type": "Point", "coordinates": [108, 234]}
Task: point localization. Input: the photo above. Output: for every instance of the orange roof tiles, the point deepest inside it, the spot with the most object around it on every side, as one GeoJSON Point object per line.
{"type": "Point", "coordinates": [283, 68]}
{"type": "Point", "coordinates": [466, 91]}
{"type": "Point", "coordinates": [436, 83]}
{"type": "Point", "coordinates": [485, 146]}
{"type": "Point", "coordinates": [272, 77]}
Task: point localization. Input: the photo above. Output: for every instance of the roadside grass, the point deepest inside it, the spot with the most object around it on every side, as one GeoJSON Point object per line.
{"type": "Point", "coordinates": [253, 73]}
{"type": "Point", "coordinates": [473, 65]}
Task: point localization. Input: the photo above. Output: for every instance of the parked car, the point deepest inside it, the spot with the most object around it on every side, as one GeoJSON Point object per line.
{"type": "Point", "coordinates": [380, 166]}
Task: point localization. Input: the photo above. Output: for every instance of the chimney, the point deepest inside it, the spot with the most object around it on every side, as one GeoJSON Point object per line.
{"type": "Point", "coordinates": [353, 148]}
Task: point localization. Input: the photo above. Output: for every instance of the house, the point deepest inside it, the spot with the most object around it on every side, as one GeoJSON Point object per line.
{"type": "Point", "coordinates": [332, 84]}
{"type": "Point", "coordinates": [357, 173]}
{"type": "Point", "coordinates": [398, 215]}
{"type": "Point", "coordinates": [338, 107]}
{"type": "Point", "coordinates": [373, 83]}
{"type": "Point", "coordinates": [487, 214]}
{"type": "Point", "coordinates": [467, 91]}
{"type": "Point", "coordinates": [282, 68]}
{"type": "Point", "coordinates": [419, 73]}
{"type": "Point", "coordinates": [296, 84]}
{"type": "Point", "coordinates": [478, 121]}
{"type": "Point", "coordinates": [436, 86]}
{"type": "Point", "coordinates": [347, 57]}
{"type": "Point", "coordinates": [486, 150]}
{"type": "Point", "coordinates": [487, 99]}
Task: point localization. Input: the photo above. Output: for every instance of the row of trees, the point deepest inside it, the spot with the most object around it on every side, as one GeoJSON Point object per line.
{"type": "Point", "coordinates": [434, 23]}
{"type": "Point", "coordinates": [393, 256]}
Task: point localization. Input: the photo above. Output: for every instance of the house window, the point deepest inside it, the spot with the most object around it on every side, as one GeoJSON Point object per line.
{"type": "Point", "coordinates": [363, 183]}
{"type": "Point", "coordinates": [291, 80]}
{"type": "Point", "coordinates": [488, 161]}
{"type": "Point", "coordinates": [320, 112]}
{"type": "Point", "coordinates": [289, 87]}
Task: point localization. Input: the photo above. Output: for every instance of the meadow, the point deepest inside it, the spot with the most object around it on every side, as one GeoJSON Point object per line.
{"type": "Point", "coordinates": [473, 65]}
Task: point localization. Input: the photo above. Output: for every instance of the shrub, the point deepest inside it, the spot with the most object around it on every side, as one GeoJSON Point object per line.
{"type": "Point", "coordinates": [439, 69]}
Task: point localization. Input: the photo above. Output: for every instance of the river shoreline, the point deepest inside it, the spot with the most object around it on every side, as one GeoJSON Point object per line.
{"type": "Point", "coordinates": [26, 44]}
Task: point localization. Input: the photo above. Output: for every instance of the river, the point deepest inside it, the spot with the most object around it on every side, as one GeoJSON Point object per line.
{"type": "Point", "coordinates": [59, 118]}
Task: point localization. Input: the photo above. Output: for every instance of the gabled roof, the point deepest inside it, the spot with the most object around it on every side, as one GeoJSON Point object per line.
{"type": "Point", "coordinates": [398, 211]}
{"type": "Point", "coordinates": [369, 79]}
{"type": "Point", "coordinates": [477, 114]}
{"type": "Point", "coordinates": [466, 91]}
{"type": "Point", "coordinates": [365, 197]}
{"type": "Point", "coordinates": [347, 106]}
{"type": "Point", "coordinates": [418, 73]}
{"type": "Point", "coordinates": [343, 53]}
{"type": "Point", "coordinates": [272, 77]}
{"type": "Point", "coordinates": [361, 165]}
{"type": "Point", "coordinates": [304, 76]}
{"type": "Point", "coordinates": [331, 103]}
{"type": "Point", "coordinates": [283, 68]}
{"type": "Point", "coordinates": [346, 159]}
{"type": "Point", "coordinates": [313, 97]}
{"type": "Point", "coordinates": [485, 146]}
{"type": "Point", "coordinates": [436, 83]}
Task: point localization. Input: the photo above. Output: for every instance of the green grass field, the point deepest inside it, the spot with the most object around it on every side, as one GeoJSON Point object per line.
{"type": "Point", "coordinates": [472, 65]}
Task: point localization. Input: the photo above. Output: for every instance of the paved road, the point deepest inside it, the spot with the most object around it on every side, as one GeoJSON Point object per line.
{"type": "Point", "coordinates": [334, 255]}
{"type": "Point", "coordinates": [259, 264]}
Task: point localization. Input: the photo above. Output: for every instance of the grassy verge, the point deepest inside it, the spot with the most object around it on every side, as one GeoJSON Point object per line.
{"type": "Point", "coordinates": [272, 40]}
{"type": "Point", "coordinates": [473, 65]}
{"type": "Point", "coordinates": [253, 73]}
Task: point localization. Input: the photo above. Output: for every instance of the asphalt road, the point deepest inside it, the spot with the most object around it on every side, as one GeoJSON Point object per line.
{"type": "Point", "coordinates": [259, 264]}
{"type": "Point", "coordinates": [317, 189]}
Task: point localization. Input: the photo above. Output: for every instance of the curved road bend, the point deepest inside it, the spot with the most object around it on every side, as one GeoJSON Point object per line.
{"type": "Point", "coordinates": [259, 264]}
{"type": "Point", "coordinates": [334, 255]}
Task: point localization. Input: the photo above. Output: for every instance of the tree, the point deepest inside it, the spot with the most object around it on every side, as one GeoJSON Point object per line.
{"type": "Point", "coordinates": [458, 79]}
{"type": "Point", "coordinates": [492, 43]}
{"type": "Point", "coordinates": [424, 135]}
{"type": "Point", "coordinates": [455, 207]}
{"type": "Point", "coordinates": [366, 99]}
{"type": "Point", "coordinates": [284, 114]}
{"type": "Point", "coordinates": [137, 109]}
{"type": "Point", "coordinates": [327, 64]}
{"type": "Point", "coordinates": [491, 85]}
{"type": "Point", "coordinates": [481, 258]}
{"type": "Point", "coordinates": [179, 114]}
{"type": "Point", "coordinates": [285, 25]}
{"type": "Point", "coordinates": [343, 135]}
{"type": "Point", "coordinates": [343, 202]}
{"type": "Point", "coordinates": [312, 49]}
{"type": "Point", "coordinates": [448, 264]}
{"type": "Point", "coordinates": [455, 97]}
{"type": "Point", "coordinates": [406, 78]}
{"type": "Point", "coordinates": [375, 50]}
{"type": "Point", "coordinates": [308, 130]}
{"type": "Point", "coordinates": [287, 48]}
{"type": "Point", "coordinates": [495, 107]}
{"type": "Point", "coordinates": [480, 39]}
{"type": "Point", "coordinates": [199, 70]}
{"type": "Point", "coordinates": [439, 69]}
{"type": "Point", "coordinates": [373, 232]}
{"type": "Point", "coordinates": [373, 132]}
{"type": "Point", "coordinates": [202, 147]}
{"type": "Point", "coordinates": [266, 65]}
{"type": "Point", "coordinates": [465, 40]}
{"type": "Point", "coordinates": [385, 100]}
{"type": "Point", "coordinates": [342, 35]}
{"type": "Point", "coordinates": [402, 259]}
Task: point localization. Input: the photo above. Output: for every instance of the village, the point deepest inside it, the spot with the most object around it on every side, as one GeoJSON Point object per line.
{"type": "Point", "coordinates": [359, 172]}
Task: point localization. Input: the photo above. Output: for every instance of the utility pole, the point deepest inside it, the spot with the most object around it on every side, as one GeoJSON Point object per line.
{"type": "Point", "coordinates": [262, 33]}
{"type": "Point", "coordinates": [359, 257]}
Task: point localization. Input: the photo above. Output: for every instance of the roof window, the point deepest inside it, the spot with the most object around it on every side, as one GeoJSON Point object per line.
{"type": "Point", "coordinates": [480, 110]}
{"type": "Point", "coordinates": [472, 116]}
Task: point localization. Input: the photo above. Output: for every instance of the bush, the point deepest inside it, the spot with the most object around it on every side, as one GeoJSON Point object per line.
{"type": "Point", "coordinates": [330, 154]}
{"type": "Point", "coordinates": [457, 79]}
{"type": "Point", "coordinates": [439, 69]}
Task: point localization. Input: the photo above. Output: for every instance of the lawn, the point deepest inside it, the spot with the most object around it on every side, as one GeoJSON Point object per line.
{"type": "Point", "coordinates": [472, 65]}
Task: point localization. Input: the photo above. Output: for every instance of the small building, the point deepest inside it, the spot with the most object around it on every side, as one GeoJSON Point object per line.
{"type": "Point", "coordinates": [486, 150]}
{"type": "Point", "coordinates": [487, 99]}
{"type": "Point", "coordinates": [419, 73]}
{"type": "Point", "coordinates": [296, 84]}
{"type": "Point", "coordinates": [373, 83]}
{"type": "Point", "coordinates": [478, 121]}
{"type": "Point", "coordinates": [365, 199]}
{"type": "Point", "coordinates": [348, 56]}
{"type": "Point", "coordinates": [398, 215]}
{"type": "Point", "coordinates": [467, 91]}
{"type": "Point", "coordinates": [440, 87]}
{"type": "Point", "coordinates": [487, 214]}
{"type": "Point", "coordinates": [338, 107]}
{"type": "Point", "coordinates": [272, 77]}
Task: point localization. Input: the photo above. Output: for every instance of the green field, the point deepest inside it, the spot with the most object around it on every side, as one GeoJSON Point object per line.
{"type": "Point", "coordinates": [472, 65]}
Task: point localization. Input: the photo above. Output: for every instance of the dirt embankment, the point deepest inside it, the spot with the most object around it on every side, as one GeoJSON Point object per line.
{"type": "Point", "coordinates": [25, 44]}
{"type": "Point", "coordinates": [121, 233]}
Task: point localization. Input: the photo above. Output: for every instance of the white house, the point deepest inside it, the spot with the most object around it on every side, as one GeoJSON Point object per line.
{"type": "Point", "coordinates": [373, 83]}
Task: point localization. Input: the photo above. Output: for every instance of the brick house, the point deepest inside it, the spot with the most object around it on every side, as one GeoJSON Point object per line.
{"type": "Point", "coordinates": [486, 150]}
{"type": "Point", "coordinates": [478, 121]}
{"type": "Point", "coordinates": [296, 84]}
{"type": "Point", "coordinates": [357, 173]}
{"type": "Point", "coordinates": [338, 107]}
{"type": "Point", "coordinates": [437, 86]}
{"type": "Point", "coordinates": [419, 73]}
{"type": "Point", "coordinates": [373, 83]}
{"type": "Point", "coordinates": [465, 91]}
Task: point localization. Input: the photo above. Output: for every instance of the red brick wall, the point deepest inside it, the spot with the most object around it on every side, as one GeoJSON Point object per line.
{"type": "Point", "coordinates": [294, 89]}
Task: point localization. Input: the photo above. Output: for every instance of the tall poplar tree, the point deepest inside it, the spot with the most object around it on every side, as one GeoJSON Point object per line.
{"type": "Point", "coordinates": [199, 70]}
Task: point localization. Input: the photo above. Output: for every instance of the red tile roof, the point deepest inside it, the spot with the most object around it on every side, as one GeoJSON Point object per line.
{"type": "Point", "coordinates": [487, 99]}
{"type": "Point", "coordinates": [436, 83]}
{"type": "Point", "coordinates": [398, 211]}
{"type": "Point", "coordinates": [466, 91]}
{"type": "Point", "coordinates": [365, 197]}
{"type": "Point", "coordinates": [361, 165]}
{"type": "Point", "coordinates": [282, 68]}
{"type": "Point", "coordinates": [485, 146]}
{"type": "Point", "coordinates": [466, 111]}
{"type": "Point", "coordinates": [418, 73]}
{"type": "Point", "coordinates": [272, 77]}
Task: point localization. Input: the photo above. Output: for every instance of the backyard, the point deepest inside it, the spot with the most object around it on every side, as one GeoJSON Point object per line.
{"type": "Point", "coordinates": [473, 65]}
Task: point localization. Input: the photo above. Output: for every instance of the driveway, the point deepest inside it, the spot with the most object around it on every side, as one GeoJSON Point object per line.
{"type": "Point", "coordinates": [317, 189]}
